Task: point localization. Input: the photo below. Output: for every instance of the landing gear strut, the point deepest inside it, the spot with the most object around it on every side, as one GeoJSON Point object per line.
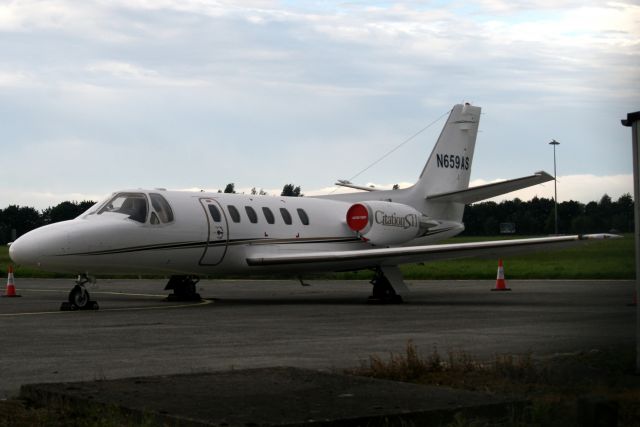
{"type": "Point", "coordinates": [383, 291]}
{"type": "Point", "coordinates": [184, 288]}
{"type": "Point", "coordinates": [79, 298]}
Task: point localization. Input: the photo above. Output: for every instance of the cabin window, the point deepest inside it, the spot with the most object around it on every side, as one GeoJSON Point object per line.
{"type": "Point", "coordinates": [233, 212]}
{"type": "Point", "coordinates": [134, 205]}
{"type": "Point", "coordinates": [303, 216]}
{"type": "Point", "coordinates": [215, 213]}
{"type": "Point", "coordinates": [251, 213]}
{"type": "Point", "coordinates": [268, 215]}
{"type": "Point", "coordinates": [286, 216]}
{"type": "Point", "coordinates": [163, 210]}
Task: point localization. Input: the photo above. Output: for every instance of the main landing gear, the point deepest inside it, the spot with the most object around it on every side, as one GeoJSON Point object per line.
{"type": "Point", "coordinates": [386, 281]}
{"type": "Point", "coordinates": [184, 288]}
{"type": "Point", "coordinates": [79, 298]}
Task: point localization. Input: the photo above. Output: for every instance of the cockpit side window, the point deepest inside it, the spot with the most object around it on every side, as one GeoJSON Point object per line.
{"type": "Point", "coordinates": [161, 207]}
{"type": "Point", "coordinates": [132, 204]}
{"type": "Point", "coordinates": [154, 219]}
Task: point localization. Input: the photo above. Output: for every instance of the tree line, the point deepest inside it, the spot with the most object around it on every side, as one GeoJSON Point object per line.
{"type": "Point", "coordinates": [288, 190]}
{"type": "Point", "coordinates": [17, 220]}
{"type": "Point", "coordinates": [532, 217]}
{"type": "Point", "coordinates": [537, 216]}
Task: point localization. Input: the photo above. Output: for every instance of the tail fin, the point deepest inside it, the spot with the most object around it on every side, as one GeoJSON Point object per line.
{"type": "Point", "coordinates": [449, 165]}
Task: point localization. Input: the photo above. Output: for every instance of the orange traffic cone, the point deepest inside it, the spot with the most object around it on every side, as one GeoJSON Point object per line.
{"type": "Point", "coordinates": [501, 284]}
{"type": "Point", "coordinates": [11, 287]}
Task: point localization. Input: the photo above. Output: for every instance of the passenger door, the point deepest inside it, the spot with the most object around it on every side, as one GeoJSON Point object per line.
{"type": "Point", "coordinates": [218, 232]}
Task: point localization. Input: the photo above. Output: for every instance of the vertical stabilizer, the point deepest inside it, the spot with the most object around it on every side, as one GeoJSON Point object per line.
{"type": "Point", "coordinates": [449, 165]}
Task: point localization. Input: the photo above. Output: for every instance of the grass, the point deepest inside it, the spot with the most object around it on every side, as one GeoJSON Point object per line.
{"type": "Point", "coordinates": [563, 391]}
{"type": "Point", "coordinates": [18, 413]}
{"type": "Point", "coordinates": [605, 259]}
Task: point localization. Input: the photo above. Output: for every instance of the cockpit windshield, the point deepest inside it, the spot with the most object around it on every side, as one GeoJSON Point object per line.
{"type": "Point", "coordinates": [134, 205]}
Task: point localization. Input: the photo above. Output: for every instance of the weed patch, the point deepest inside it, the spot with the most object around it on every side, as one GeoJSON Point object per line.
{"type": "Point", "coordinates": [563, 390]}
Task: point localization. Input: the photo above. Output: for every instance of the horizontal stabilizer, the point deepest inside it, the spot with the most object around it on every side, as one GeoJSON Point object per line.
{"type": "Point", "coordinates": [348, 184]}
{"type": "Point", "coordinates": [483, 192]}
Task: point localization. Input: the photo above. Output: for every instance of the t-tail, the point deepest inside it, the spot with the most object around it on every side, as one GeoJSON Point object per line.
{"type": "Point", "coordinates": [442, 190]}
{"type": "Point", "coordinates": [448, 168]}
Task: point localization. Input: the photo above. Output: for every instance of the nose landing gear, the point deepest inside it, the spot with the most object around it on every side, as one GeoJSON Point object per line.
{"type": "Point", "coordinates": [184, 288]}
{"type": "Point", "coordinates": [79, 298]}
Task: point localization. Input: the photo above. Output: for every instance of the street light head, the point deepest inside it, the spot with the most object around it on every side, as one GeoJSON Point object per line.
{"type": "Point", "coordinates": [554, 142]}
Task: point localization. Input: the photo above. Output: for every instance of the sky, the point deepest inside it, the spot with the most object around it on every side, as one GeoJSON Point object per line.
{"type": "Point", "coordinates": [99, 96]}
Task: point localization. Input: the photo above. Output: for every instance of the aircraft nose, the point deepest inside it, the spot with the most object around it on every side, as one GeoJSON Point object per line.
{"type": "Point", "coordinates": [37, 246]}
{"type": "Point", "coordinates": [24, 251]}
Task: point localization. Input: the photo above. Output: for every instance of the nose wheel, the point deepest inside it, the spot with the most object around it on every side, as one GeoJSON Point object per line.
{"type": "Point", "coordinates": [79, 298]}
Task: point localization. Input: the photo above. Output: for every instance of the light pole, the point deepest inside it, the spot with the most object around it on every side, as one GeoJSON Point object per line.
{"type": "Point", "coordinates": [632, 121]}
{"type": "Point", "coordinates": [555, 182]}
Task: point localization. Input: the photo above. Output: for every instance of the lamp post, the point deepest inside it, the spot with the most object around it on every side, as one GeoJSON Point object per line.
{"type": "Point", "coordinates": [555, 182]}
{"type": "Point", "coordinates": [632, 121]}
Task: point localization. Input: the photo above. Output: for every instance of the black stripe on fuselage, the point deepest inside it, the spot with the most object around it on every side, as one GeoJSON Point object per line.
{"type": "Point", "coordinates": [234, 242]}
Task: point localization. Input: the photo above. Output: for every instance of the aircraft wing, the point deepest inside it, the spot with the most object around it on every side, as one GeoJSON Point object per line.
{"type": "Point", "coordinates": [412, 254]}
{"type": "Point", "coordinates": [483, 192]}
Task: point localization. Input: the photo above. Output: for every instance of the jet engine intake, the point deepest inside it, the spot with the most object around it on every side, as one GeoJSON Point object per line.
{"type": "Point", "coordinates": [387, 223]}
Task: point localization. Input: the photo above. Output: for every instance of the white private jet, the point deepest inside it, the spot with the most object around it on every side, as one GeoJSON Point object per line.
{"type": "Point", "coordinates": [189, 234]}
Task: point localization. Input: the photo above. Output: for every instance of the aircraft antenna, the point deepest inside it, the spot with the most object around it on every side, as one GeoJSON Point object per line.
{"type": "Point", "coordinates": [388, 153]}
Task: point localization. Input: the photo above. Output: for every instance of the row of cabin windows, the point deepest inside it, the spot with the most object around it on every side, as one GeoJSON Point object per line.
{"type": "Point", "coordinates": [253, 216]}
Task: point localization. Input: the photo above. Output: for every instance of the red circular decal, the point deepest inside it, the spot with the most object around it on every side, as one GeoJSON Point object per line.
{"type": "Point", "coordinates": [357, 217]}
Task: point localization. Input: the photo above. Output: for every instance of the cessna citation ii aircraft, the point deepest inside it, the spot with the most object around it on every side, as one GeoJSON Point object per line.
{"type": "Point", "coordinates": [185, 235]}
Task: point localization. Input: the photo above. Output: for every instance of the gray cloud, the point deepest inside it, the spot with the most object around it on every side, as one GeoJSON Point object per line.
{"type": "Point", "coordinates": [199, 93]}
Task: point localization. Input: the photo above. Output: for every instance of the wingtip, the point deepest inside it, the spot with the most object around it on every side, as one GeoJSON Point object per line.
{"type": "Point", "coordinates": [600, 236]}
{"type": "Point", "coordinates": [544, 175]}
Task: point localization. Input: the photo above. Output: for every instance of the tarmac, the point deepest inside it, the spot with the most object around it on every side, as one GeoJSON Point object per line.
{"type": "Point", "coordinates": [270, 397]}
{"type": "Point", "coordinates": [325, 328]}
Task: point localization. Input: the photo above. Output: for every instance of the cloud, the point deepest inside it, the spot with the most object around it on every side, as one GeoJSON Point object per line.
{"type": "Point", "coordinates": [182, 93]}
{"type": "Point", "coordinates": [14, 79]}
{"type": "Point", "coordinates": [124, 71]}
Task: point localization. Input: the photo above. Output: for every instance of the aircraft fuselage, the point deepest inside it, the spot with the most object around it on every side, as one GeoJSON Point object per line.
{"type": "Point", "coordinates": [208, 233]}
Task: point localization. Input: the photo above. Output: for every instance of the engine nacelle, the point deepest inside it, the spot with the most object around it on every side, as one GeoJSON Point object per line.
{"type": "Point", "coordinates": [386, 223]}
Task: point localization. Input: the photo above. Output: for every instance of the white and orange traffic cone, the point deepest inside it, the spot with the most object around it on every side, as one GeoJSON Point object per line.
{"type": "Point", "coordinates": [501, 284]}
{"type": "Point", "coordinates": [11, 287]}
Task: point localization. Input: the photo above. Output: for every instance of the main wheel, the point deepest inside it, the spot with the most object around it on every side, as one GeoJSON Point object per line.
{"type": "Point", "coordinates": [79, 297]}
